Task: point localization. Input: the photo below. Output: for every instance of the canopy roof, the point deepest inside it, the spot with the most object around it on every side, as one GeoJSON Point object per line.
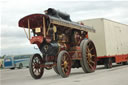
{"type": "Point", "coordinates": [36, 20]}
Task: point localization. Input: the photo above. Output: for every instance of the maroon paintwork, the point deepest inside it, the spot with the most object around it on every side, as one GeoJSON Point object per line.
{"type": "Point", "coordinates": [35, 20]}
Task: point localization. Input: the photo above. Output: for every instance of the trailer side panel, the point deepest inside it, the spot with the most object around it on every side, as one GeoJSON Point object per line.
{"type": "Point", "coordinates": [98, 37]}
{"type": "Point", "coordinates": [116, 38]}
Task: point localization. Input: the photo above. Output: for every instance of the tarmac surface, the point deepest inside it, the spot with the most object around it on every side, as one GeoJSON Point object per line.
{"type": "Point", "coordinates": [118, 75]}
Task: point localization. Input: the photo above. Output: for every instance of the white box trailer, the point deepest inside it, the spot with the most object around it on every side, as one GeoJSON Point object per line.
{"type": "Point", "coordinates": [110, 39]}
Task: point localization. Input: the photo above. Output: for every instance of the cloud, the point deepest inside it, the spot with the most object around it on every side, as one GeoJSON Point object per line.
{"type": "Point", "coordinates": [13, 38]}
{"type": "Point", "coordinates": [14, 41]}
{"type": "Point", "coordinates": [12, 31]}
{"type": "Point", "coordinates": [112, 10]}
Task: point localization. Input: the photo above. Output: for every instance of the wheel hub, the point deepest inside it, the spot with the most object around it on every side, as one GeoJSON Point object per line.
{"type": "Point", "coordinates": [65, 64]}
{"type": "Point", "coordinates": [89, 56]}
{"type": "Point", "coordinates": [37, 66]}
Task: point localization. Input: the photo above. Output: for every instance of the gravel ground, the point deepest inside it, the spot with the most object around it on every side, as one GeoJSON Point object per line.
{"type": "Point", "coordinates": [118, 75]}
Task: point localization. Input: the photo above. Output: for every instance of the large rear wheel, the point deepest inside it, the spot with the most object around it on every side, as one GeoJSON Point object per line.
{"type": "Point", "coordinates": [81, 61]}
{"type": "Point", "coordinates": [34, 66]}
{"type": "Point", "coordinates": [64, 64]}
{"type": "Point", "coordinates": [89, 56]}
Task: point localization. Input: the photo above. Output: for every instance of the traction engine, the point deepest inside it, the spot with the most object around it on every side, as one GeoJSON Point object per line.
{"type": "Point", "coordinates": [64, 44]}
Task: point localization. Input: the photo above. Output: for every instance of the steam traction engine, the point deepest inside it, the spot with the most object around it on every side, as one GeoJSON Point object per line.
{"type": "Point", "coordinates": [64, 44]}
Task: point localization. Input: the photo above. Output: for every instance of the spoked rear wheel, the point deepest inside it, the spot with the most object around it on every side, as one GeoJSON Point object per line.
{"type": "Point", "coordinates": [64, 64]}
{"type": "Point", "coordinates": [81, 61]}
{"type": "Point", "coordinates": [34, 66]}
{"type": "Point", "coordinates": [89, 56]}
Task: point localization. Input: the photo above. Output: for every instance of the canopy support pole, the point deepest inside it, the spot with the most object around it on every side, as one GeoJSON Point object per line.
{"type": "Point", "coordinates": [44, 28]}
{"type": "Point", "coordinates": [29, 29]}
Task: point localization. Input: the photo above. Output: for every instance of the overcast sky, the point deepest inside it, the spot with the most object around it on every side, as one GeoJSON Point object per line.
{"type": "Point", "coordinates": [13, 39]}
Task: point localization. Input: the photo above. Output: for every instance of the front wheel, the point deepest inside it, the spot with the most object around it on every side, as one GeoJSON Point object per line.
{"type": "Point", "coordinates": [35, 68]}
{"type": "Point", "coordinates": [64, 64]}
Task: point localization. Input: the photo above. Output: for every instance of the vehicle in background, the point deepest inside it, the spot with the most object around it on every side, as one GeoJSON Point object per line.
{"type": "Point", "coordinates": [1, 62]}
{"type": "Point", "coordinates": [18, 61]}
